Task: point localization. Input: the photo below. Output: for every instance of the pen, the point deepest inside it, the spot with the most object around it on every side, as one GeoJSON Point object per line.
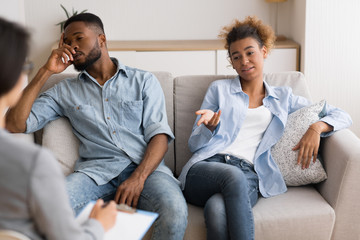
{"type": "Point", "coordinates": [125, 208]}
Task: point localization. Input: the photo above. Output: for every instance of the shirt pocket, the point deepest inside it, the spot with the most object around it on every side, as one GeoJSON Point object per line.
{"type": "Point", "coordinates": [83, 119]}
{"type": "Point", "coordinates": [131, 115]}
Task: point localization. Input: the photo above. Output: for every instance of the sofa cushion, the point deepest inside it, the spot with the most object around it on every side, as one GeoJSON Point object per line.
{"type": "Point", "coordinates": [295, 80]}
{"type": "Point", "coordinates": [297, 124]}
{"type": "Point", "coordinates": [301, 213]}
{"type": "Point", "coordinates": [190, 92]}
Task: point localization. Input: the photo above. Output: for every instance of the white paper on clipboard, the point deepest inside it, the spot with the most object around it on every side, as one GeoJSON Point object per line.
{"type": "Point", "coordinates": [129, 226]}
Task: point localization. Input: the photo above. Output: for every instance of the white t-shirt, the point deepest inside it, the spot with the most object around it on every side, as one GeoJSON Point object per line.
{"type": "Point", "coordinates": [250, 134]}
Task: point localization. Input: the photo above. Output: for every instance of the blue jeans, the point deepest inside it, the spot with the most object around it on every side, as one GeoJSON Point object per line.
{"type": "Point", "coordinates": [227, 188]}
{"type": "Point", "coordinates": [161, 194]}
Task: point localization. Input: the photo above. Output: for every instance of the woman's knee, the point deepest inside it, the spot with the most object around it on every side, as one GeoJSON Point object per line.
{"type": "Point", "coordinates": [234, 177]}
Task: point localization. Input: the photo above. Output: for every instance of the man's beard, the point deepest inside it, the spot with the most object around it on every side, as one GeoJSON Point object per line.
{"type": "Point", "coordinates": [93, 56]}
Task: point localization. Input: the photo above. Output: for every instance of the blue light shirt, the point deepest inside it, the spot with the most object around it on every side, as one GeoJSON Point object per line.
{"type": "Point", "coordinates": [227, 96]}
{"type": "Point", "coordinates": [113, 122]}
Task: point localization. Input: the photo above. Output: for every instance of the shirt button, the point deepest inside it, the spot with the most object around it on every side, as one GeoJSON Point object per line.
{"type": "Point", "coordinates": [114, 132]}
{"type": "Point", "coordinates": [108, 118]}
{"type": "Point", "coordinates": [106, 99]}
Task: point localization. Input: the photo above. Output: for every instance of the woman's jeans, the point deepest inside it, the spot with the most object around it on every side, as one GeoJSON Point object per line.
{"type": "Point", "coordinates": [227, 188]}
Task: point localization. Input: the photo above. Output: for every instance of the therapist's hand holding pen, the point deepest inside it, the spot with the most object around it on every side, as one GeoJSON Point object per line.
{"type": "Point", "coordinates": [104, 213]}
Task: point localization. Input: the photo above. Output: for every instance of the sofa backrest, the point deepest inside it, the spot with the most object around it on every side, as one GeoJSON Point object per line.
{"type": "Point", "coordinates": [189, 92]}
{"type": "Point", "coordinates": [183, 96]}
{"type": "Point", "coordinates": [58, 137]}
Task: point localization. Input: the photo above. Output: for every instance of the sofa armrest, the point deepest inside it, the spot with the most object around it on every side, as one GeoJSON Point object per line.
{"type": "Point", "coordinates": [59, 138]}
{"type": "Point", "coordinates": [28, 137]}
{"type": "Point", "coordinates": [341, 154]}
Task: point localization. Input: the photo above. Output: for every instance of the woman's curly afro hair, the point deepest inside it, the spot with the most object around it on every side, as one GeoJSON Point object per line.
{"type": "Point", "coordinates": [251, 27]}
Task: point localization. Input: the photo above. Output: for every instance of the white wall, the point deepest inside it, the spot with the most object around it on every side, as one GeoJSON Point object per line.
{"type": "Point", "coordinates": [141, 19]}
{"type": "Point", "coordinates": [328, 38]}
{"type": "Point", "coordinates": [13, 10]}
{"type": "Point", "coordinates": [332, 54]}
{"type": "Point", "coordinates": [292, 23]}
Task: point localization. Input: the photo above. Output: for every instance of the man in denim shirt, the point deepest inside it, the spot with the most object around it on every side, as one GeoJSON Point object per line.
{"type": "Point", "coordinates": [118, 114]}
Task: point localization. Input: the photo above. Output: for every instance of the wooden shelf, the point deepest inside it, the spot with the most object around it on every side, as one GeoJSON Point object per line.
{"type": "Point", "coordinates": [180, 45]}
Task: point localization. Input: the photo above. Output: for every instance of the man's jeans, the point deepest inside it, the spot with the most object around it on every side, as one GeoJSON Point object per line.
{"type": "Point", "coordinates": [161, 194]}
{"type": "Point", "coordinates": [227, 188]}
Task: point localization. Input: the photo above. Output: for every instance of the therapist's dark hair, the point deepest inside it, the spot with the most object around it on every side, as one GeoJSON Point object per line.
{"type": "Point", "coordinates": [13, 51]}
{"type": "Point", "coordinates": [251, 27]}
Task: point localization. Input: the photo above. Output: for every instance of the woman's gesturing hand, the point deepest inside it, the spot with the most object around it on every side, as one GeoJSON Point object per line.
{"type": "Point", "coordinates": [209, 118]}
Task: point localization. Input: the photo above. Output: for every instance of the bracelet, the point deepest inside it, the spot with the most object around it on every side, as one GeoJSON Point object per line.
{"type": "Point", "coordinates": [314, 130]}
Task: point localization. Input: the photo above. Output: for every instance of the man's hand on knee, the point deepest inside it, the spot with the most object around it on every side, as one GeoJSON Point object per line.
{"type": "Point", "coordinates": [129, 191]}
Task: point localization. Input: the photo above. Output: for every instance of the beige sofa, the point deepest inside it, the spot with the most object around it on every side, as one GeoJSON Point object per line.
{"type": "Point", "coordinates": [330, 210]}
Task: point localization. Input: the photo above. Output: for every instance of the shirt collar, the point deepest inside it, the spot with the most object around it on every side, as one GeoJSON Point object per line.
{"type": "Point", "coordinates": [270, 91]}
{"type": "Point", "coordinates": [119, 68]}
{"type": "Point", "coordinates": [235, 85]}
{"type": "Point", "coordinates": [236, 88]}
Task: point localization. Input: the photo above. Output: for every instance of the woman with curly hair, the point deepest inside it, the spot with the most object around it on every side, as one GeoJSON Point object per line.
{"type": "Point", "coordinates": [239, 121]}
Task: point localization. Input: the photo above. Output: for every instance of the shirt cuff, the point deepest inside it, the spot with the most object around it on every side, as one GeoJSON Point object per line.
{"type": "Point", "coordinates": [158, 128]}
{"type": "Point", "coordinates": [330, 122]}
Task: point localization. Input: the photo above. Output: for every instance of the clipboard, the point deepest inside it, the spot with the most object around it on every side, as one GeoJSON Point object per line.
{"type": "Point", "coordinates": [129, 226]}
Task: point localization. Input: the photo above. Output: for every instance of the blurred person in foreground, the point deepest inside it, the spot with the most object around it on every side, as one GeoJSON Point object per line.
{"type": "Point", "coordinates": [33, 198]}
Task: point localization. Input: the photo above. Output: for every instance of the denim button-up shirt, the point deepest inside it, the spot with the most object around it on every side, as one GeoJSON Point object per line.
{"type": "Point", "coordinates": [227, 96]}
{"type": "Point", "coordinates": [113, 122]}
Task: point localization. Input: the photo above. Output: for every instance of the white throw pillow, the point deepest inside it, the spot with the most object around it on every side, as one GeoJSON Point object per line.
{"type": "Point", "coordinates": [297, 124]}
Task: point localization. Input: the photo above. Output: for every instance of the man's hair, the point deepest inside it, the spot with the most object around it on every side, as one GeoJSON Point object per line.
{"type": "Point", "coordinates": [90, 20]}
{"type": "Point", "coordinates": [13, 51]}
{"type": "Point", "coordinates": [250, 27]}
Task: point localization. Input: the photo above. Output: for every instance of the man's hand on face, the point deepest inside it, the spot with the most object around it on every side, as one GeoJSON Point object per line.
{"type": "Point", "coordinates": [60, 58]}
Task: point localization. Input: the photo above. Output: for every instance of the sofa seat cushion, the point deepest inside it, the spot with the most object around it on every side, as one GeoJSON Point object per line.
{"type": "Point", "coordinates": [196, 228]}
{"type": "Point", "coordinates": [300, 213]}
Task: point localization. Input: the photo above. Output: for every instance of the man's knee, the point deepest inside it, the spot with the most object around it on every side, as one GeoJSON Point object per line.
{"type": "Point", "coordinates": [175, 211]}
{"type": "Point", "coordinates": [75, 183]}
{"type": "Point", "coordinates": [164, 196]}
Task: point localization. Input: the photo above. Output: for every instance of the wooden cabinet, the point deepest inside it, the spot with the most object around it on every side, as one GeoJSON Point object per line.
{"type": "Point", "coordinates": [195, 57]}
{"type": "Point", "coordinates": [176, 62]}
{"type": "Point", "coordinates": [279, 60]}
